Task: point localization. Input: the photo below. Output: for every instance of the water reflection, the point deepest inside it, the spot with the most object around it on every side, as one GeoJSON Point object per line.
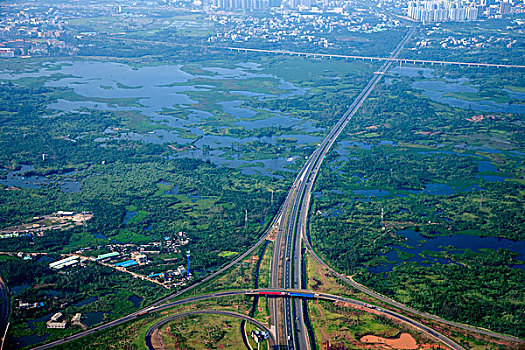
{"type": "Point", "coordinates": [455, 244]}
{"type": "Point", "coordinates": [17, 179]}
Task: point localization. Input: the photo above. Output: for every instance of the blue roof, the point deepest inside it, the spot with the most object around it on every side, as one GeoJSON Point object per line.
{"type": "Point", "coordinates": [127, 263]}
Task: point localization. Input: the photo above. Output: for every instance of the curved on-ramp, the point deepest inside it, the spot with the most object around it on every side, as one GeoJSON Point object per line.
{"type": "Point", "coordinates": [420, 327]}
{"type": "Point", "coordinates": [150, 331]}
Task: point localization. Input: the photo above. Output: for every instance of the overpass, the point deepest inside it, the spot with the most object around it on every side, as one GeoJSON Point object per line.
{"type": "Point", "coordinates": [292, 220]}
{"type": "Point", "coordinates": [376, 59]}
{"type": "Point", "coordinates": [288, 294]}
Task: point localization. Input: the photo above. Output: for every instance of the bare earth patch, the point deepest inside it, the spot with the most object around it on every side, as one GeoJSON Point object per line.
{"type": "Point", "coordinates": [405, 341]}
{"type": "Point", "coordinates": [156, 340]}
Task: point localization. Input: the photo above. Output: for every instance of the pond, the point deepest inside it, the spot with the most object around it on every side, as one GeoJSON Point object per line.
{"type": "Point", "coordinates": [92, 318]}
{"type": "Point", "coordinates": [413, 72]}
{"type": "Point", "coordinates": [486, 166]}
{"type": "Point", "coordinates": [136, 300]}
{"type": "Point", "coordinates": [436, 189]}
{"type": "Point", "coordinates": [371, 193]}
{"type": "Point", "coordinates": [86, 301]}
{"type": "Point", "coordinates": [129, 215]}
{"type": "Point", "coordinates": [99, 235]}
{"type": "Point", "coordinates": [30, 340]}
{"type": "Point", "coordinates": [492, 178]}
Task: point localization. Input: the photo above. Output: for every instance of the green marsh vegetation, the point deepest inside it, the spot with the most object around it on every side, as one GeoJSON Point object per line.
{"type": "Point", "coordinates": [442, 172]}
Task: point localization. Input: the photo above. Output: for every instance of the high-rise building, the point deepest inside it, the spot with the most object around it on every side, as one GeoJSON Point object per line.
{"type": "Point", "coordinates": [442, 11]}
{"type": "Point", "coordinates": [242, 4]}
{"type": "Point", "coordinates": [504, 8]}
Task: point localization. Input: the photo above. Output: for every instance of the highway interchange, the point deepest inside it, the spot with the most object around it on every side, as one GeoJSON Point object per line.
{"type": "Point", "coordinates": [322, 296]}
{"type": "Point", "coordinates": [287, 314]}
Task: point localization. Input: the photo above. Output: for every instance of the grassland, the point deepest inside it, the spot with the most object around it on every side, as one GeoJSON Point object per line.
{"type": "Point", "coordinates": [203, 332]}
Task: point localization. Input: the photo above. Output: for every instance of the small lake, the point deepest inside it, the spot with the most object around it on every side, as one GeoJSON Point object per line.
{"type": "Point", "coordinates": [30, 340]}
{"type": "Point", "coordinates": [99, 235]}
{"type": "Point", "coordinates": [413, 72]}
{"type": "Point", "coordinates": [86, 301]}
{"type": "Point", "coordinates": [436, 189]}
{"type": "Point", "coordinates": [459, 242]}
{"type": "Point", "coordinates": [92, 318]}
{"type": "Point", "coordinates": [44, 318]}
{"type": "Point", "coordinates": [136, 300]}
{"type": "Point", "coordinates": [19, 180]}
{"type": "Point", "coordinates": [437, 89]}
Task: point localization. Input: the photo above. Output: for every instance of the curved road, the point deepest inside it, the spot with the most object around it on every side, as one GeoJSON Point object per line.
{"type": "Point", "coordinates": [403, 306]}
{"type": "Point", "coordinates": [324, 296]}
{"type": "Point", "coordinates": [305, 181]}
{"type": "Point", "coordinates": [150, 331]}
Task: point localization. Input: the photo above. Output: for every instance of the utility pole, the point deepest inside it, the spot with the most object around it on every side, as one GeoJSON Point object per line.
{"type": "Point", "coordinates": [188, 269]}
{"type": "Point", "coordinates": [245, 218]}
{"type": "Point", "coordinates": [382, 217]}
{"type": "Point", "coordinates": [481, 202]}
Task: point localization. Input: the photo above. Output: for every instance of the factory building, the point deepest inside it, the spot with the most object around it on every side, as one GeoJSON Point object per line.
{"type": "Point", "coordinates": [70, 261]}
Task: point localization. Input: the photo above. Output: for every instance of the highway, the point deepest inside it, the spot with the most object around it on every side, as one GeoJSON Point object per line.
{"type": "Point", "coordinates": [150, 331]}
{"type": "Point", "coordinates": [292, 220]}
{"type": "Point", "coordinates": [166, 299]}
{"type": "Point", "coordinates": [303, 190]}
{"type": "Point", "coordinates": [322, 296]}
{"type": "Point", "coordinates": [295, 213]}
{"type": "Point", "coordinates": [403, 306]}
{"type": "Point", "coordinates": [372, 58]}
{"type": "Point", "coordinates": [261, 240]}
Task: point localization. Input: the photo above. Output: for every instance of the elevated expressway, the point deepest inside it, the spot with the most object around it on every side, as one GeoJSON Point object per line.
{"type": "Point", "coordinates": [292, 223]}
{"type": "Point", "coordinates": [294, 226]}
{"type": "Point", "coordinates": [377, 59]}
